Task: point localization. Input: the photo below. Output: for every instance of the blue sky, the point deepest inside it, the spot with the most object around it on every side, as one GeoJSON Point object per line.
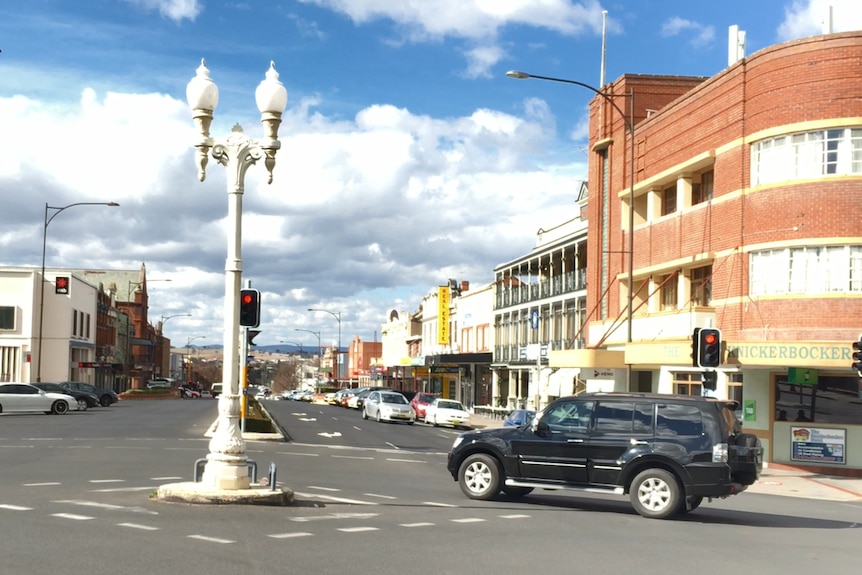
{"type": "Point", "coordinates": [408, 157]}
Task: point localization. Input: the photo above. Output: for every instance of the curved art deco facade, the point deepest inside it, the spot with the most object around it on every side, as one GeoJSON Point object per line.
{"type": "Point", "coordinates": [747, 202]}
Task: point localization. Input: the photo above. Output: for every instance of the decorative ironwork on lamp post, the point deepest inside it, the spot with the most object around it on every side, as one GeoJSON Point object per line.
{"type": "Point", "coordinates": [226, 467]}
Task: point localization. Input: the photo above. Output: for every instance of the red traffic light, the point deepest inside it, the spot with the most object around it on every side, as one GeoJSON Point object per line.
{"type": "Point", "coordinates": [247, 298]}
{"type": "Point", "coordinates": [709, 338]}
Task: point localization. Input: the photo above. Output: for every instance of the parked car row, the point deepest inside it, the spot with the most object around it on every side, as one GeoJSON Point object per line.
{"type": "Point", "coordinates": [53, 398]}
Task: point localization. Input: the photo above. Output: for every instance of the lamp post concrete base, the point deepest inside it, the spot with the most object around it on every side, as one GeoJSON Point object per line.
{"type": "Point", "coordinates": [200, 493]}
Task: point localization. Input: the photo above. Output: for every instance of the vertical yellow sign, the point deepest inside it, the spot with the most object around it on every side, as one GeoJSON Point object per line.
{"type": "Point", "coordinates": [443, 303]}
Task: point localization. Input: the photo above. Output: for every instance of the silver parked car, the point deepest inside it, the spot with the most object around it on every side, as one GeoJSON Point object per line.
{"type": "Point", "coordinates": [388, 406]}
{"type": "Point", "coordinates": [23, 397]}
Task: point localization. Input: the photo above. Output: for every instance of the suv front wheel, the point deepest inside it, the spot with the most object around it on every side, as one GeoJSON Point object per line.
{"type": "Point", "coordinates": [655, 493]}
{"type": "Point", "coordinates": [480, 477]}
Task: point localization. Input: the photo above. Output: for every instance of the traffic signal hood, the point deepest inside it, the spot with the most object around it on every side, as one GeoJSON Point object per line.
{"type": "Point", "coordinates": [249, 308]}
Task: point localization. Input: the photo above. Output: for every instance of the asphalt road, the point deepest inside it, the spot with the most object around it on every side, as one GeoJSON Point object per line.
{"type": "Point", "coordinates": [370, 498]}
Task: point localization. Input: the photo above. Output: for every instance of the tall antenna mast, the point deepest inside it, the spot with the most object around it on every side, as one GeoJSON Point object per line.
{"type": "Point", "coordinates": [604, 43]}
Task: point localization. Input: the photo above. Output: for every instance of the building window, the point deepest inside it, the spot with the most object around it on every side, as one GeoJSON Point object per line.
{"type": "Point", "coordinates": [702, 192]}
{"type": "Point", "coordinates": [7, 318]}
{"type": "Point", "coordinates": [668, 293]}
{"type": "Point", "coordinates": [836, 152]}
{"type": "Point", "coordinates": [687, 383]}
{"type": "Point", "coordinates": [668, 200]}
{"type": "Point", "coordinates": [806, 270]}
{"type": "Point", "coordinates": [701, 286]}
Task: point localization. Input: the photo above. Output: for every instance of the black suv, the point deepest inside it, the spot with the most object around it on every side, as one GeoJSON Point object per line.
{"type": "Point", "coordinates": [667, 452]}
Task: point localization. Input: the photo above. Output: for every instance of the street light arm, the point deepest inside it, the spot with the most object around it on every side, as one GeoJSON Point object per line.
{"type": "Point", "coordinates": [59, 209]}
{"type": "Point", "coordinates": [517, 74]}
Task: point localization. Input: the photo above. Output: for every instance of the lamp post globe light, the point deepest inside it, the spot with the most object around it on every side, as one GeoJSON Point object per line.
{"type": "Point", "coordinates": [226, 468]}
{"type": "Point", "coordinates": [629, 122]}
{"type": "Point", "coordinates": [52, 212]}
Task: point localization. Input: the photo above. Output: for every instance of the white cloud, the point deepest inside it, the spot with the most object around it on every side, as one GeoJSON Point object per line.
{"type": "Point", "coordinates": [806, 18]}
{"type": "Point", "coordinates": [478, 21]}
{"type": "Point", "coordinates": [386, 204]}
{"type": "Point", "coordinates": [703, 35]}
{"type": "Point", "coordinates": [176, 10]}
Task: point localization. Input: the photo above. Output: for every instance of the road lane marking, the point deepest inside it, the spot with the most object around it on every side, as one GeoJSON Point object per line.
{"type": "Point", "coordinates": [469, 520]}
{"type": "Point", "coordinates": [165, 478]}
{"type": "Point", "coordinates": [324, 488]}
{"type": "Point", "coordinates": [107, 480]}
{"type": "Point", "coordinates": [15, 507]}
{"type": "Point", "coordinates": [515, 516]}
{"type": "Point", "coordinates": [416, 525]}
{"type": "Point", "coordinates": [405, 460]}
{"type": "Point", "coordinates": [46, 484]}
{"type": "Point", "coordinates": [296, 453]}
{"type": "Point", "coordinates": [210, 539]}
{"type": "Point", "coordinates": [124, 489]}
{"type": "Point", "coordinates": [72, 516]}
{"type": "Point", "coordinates": [353, 457]}
{"type": "Point", "coordinates": [290, 535]}
{"type": "Point", "coordinates": [357, 529]}
{"type": "Point", "coordinates": [334, 516]}
{"type": "Point", "coordinates": [334, 499]}
{"type": "Point", "coordinates": [107, 506]}
{"type": "Point", "coordinates": [380, 496]}
{"type": "Point", "coordinates": [435, 504]}
{"type": "Point", "coordinates": [138, 526]}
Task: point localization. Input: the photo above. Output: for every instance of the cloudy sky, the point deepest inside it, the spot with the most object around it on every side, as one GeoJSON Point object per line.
{"type": "Point", "coordinates": [408, 157]}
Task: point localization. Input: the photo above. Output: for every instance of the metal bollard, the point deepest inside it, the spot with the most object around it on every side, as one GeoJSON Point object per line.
{"type": "Point", "coordinates": [272, 474]}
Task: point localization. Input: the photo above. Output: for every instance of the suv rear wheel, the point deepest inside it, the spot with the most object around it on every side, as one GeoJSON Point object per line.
{"type": "Point", "coordinates": [655, 493]}
{"type": "Point", "coordinates": [479, 477]}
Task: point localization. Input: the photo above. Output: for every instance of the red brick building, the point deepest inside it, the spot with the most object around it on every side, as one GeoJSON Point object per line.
{"type": "Point", "coordinates": [747, 193]}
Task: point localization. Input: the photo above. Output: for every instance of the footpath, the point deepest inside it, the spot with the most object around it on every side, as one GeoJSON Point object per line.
{"type": "Point", "coordinates": [775, 479]}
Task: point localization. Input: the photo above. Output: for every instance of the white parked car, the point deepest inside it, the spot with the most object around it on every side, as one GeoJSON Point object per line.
{"type": "Point", "coordinates": [447, 412]}
{"type": "Point", "coordinates": [388, 406]}
{"type": "Point", "coordinates": [18, 397]}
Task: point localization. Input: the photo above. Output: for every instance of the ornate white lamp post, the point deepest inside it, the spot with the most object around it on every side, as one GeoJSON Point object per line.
{"type": "Point", "coordinates": [227, 465]}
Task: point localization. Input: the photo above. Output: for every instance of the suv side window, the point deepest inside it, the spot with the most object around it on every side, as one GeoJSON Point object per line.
{"type": "Point", "coordinates": [675, 420]}
{"type": "Point", "coordinates": [624, 417]}
{"type": "Point", "coordinates": [569, 417]}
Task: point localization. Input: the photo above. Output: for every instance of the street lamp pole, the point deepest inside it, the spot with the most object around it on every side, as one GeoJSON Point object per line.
{"type": "Point", "coordinates": [337, 316]}
{"type": "Point", "coordinates": [630, 126]}
{"type": "Point", "coordinates": [164, 319]}
{"type": "Point", "coordinates": [49, 217]}
{"type": "Point", "coordinates": [226, 467]}
{"type": "Point", "coordinates": [317, 335]}
{"type": "Point", "coordinates": [190, 372]}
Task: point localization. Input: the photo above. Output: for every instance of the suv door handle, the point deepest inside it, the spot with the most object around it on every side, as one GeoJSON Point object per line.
{"type": "Point", "coordinates": [634, 441]}
{"type": "Point", "coordinates": [574, 441]}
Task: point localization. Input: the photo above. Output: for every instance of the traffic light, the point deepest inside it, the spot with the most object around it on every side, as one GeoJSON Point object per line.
{"type": "Point", "coordinates": [709, 380]}
{"type": "Point", "coordinates": [708, 346]}
{"type": "Point", "coordinates": [857, 355]}
{"type": "Point", "coordinates": [249, 308]}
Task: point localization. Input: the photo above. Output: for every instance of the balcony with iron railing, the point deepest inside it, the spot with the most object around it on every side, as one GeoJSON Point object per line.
{"type": "Point", "coordinates": [508, 296]}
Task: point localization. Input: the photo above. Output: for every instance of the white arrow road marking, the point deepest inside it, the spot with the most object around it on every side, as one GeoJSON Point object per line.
{"type": "Point", "coordinates": [330, 435]}
{"type": "Point", "coordinates": [308, 419]}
